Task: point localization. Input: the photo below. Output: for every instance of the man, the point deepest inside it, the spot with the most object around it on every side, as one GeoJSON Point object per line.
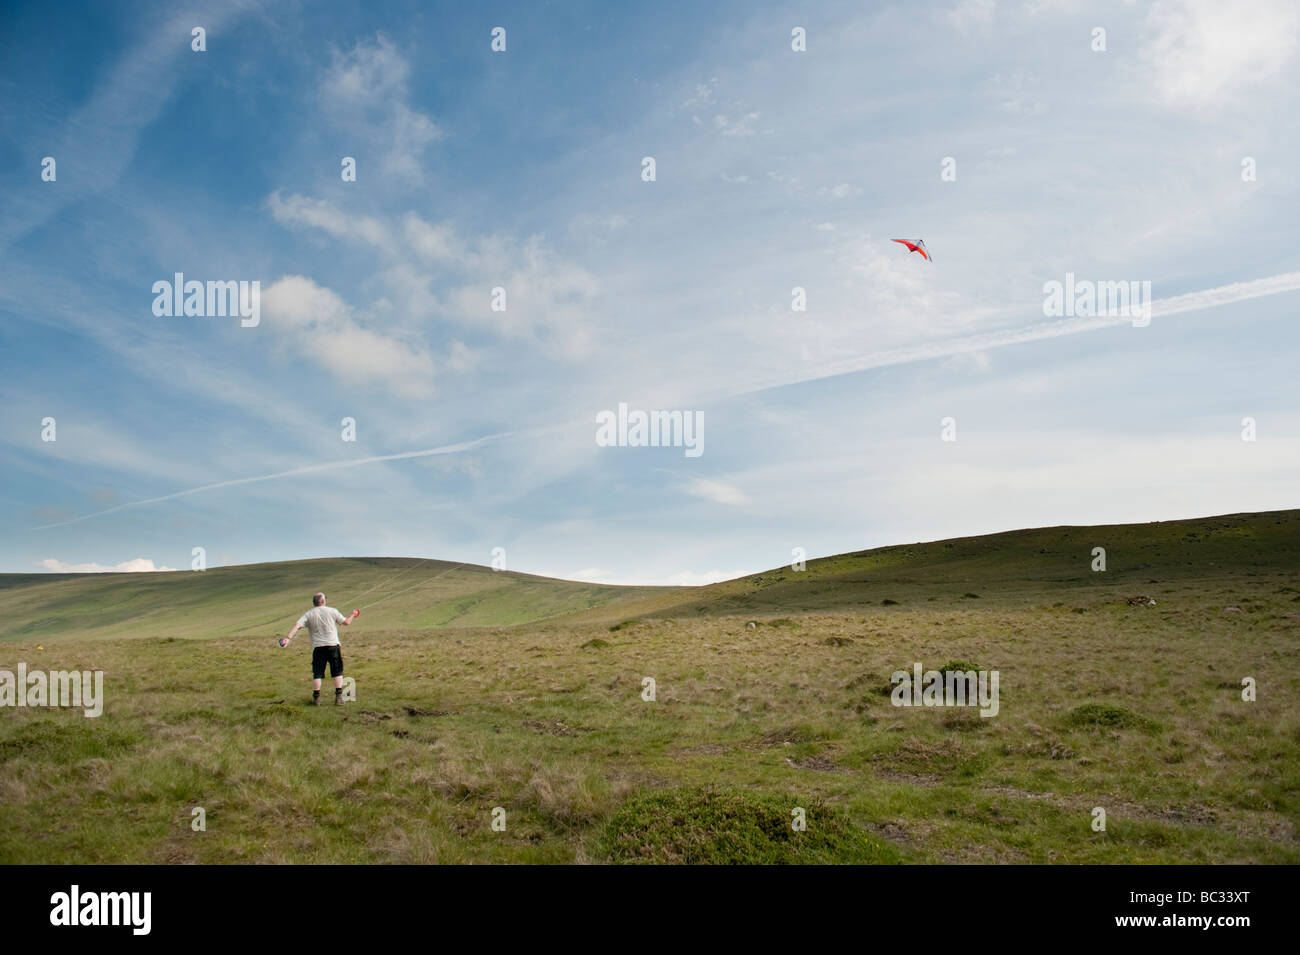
{"type": "Point", "coordinates": [321, 622]}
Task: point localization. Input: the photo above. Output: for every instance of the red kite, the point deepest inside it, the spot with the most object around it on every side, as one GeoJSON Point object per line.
{"type": "Point", "coordinates": [917, 246]}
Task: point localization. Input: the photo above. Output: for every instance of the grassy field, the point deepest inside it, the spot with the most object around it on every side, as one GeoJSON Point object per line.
{"type": "Point", "coordinates": [478, 690]}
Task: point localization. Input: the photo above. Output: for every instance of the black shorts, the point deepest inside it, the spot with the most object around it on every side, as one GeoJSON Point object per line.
{"type": "Point", "coordinates": [322, 655]}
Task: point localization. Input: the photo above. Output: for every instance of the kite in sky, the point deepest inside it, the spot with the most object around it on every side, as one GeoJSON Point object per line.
{"type": "Point", "coordinates": [917, 246]}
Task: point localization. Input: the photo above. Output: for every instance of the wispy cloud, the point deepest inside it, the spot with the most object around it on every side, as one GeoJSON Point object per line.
{"type": "Point", "coordinates": [366, 91]}
{"type": "Point", "coordinates": [718, 492]}
{"type": "Point", "coordinates": [681, 578]}
{"type": "Point", "coordinates": [548, 299]}
{"type": "Point", "coordinates": [102, 135]}
{"type": "Point", "coordinates": [139, 565]}
{"type": "Point", "coordinates": [1208, 53]}
{"type": "Point", "coordinates": [293, 472]}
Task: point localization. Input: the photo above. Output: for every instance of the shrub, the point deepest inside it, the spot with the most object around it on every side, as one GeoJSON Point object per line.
{"type": "Point", "coordinates": [1104, 714]}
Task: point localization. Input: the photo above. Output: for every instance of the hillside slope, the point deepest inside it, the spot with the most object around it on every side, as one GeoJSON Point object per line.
{"type": "Point", "coordinates": [1012, 567]}
{"type": "Point", "coordinates": [408, 594]}
{"type": "Point", "coordinates": [394, 593]}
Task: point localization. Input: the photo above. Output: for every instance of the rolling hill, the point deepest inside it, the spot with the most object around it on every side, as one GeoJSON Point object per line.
{"type": "Point", "coordinates": [396, 593]}
{"type": "Point", "coordinates": [412, 594]}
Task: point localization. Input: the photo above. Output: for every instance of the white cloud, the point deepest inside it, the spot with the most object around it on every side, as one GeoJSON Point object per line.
{"type": "Point", "coordinates": [139, 565]}
{"type": "Point", "coordinates": [744, 126]}
{"type": "Point", "coordinates": [594, 575]}
{"type": "Point", "coordinates": [431, 243]}
{"type": "Point", "coordinates": [368, 75]}
{"type": "Point", "coordinates": [295, 303]}
{"type": "Point", "coordinates": [548, 298]}
{"type": "Point", "coordinates": [320, 328]}
{"type": "Point", "coordinates": [682, 578]}
{"type": "Point", "coordinates": [366, 90]}
{"type": "Point", "coordinates": [1209, 52]}
{"type": "Point", "coordinates": [718, 492]}
{"type": "Point", "coordinates": [319, 214]}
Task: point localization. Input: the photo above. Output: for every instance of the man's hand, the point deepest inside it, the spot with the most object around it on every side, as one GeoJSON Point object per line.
{"type": "Point", "coordinates": [355, 614]}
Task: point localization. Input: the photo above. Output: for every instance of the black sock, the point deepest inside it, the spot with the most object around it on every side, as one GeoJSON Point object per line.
{"type": "Point", "coordinates": [315, 694]}
{"type": "Point", "coordinates": [338, 691]}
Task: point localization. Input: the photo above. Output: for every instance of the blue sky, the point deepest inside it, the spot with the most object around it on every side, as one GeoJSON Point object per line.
{"type": "Point", "coordinates": [521, 169]}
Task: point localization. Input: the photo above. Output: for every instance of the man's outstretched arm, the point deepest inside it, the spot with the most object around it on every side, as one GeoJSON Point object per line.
{"type": "Point", "coordinates": [347, 620]}
{"type": "Point", "coordinates": [296, 628]}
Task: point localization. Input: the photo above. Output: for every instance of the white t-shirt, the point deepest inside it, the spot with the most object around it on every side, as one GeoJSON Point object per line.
{"type": "Point", "coordinates": [322, 624]}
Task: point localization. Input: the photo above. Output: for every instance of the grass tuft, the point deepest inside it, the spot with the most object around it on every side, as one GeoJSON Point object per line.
{"type": "Point", "coordinates": [720, 826]}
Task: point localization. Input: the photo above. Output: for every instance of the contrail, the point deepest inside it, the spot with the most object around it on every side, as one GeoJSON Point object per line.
{"type": "Point", "coordinates": [1175, 305]}
{"type": "Point", "coordinates": [309, 469]}
{"type": "Point", "coordinates": [1190, 302]}
{"type": "Point", "coordinates": [1226, 294]}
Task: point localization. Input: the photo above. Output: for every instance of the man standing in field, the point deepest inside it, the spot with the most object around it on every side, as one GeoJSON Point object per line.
{"type": "Point", "coordinates": [322, 623]}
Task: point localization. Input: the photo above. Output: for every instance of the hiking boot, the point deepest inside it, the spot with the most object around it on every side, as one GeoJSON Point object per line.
{"type": "Point", "coordinates": [338, 699]}
{"type": "Point", "coordinates": [315, 701]}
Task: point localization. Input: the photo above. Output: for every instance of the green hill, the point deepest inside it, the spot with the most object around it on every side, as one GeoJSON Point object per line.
{"type": "Point", "coordinates": [395, 593]}
{"type": "Point", "coordinates": [411, 594]}
{"type": "Point", "coordinates": [1013, 566]}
